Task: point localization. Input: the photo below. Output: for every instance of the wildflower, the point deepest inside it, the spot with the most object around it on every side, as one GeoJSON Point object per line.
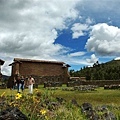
{"type": "Point", "coordinates": [2, 94]}
{"type": "Point", "coordinates": [43, 112]}
{"type": "Point", "coordinates": [18, 96]}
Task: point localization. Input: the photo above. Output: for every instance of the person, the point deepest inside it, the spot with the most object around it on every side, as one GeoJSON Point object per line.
{"type": "Point", "coordinates": [18, 83]}
{"type": "Point", "coordinates": [14, 83]}
{"type": "Point", "coordinates": [22, 81]}
{"type": "Point", "coordinates": [31, 81]}
{"type": "Point", "coordinates": [26, 82]}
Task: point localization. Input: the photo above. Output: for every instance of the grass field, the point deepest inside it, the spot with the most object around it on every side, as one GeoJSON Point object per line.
{"type": "Point", "coordinates": [98, 97]}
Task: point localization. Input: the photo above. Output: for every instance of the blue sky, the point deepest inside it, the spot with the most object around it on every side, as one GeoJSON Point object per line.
{"type": "Point", "coordinates": [77, 32]}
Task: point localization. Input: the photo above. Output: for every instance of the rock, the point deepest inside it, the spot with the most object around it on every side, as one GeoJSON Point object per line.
{"type": "Point", "coordinates": [95, 117]}
{"type": "Point", "coordinates": [104, 108]}
{"type": "Point", "coordinates": [112, 116]}
{"type": "Point", "coordinates": [109, 116]}
{"type": "Point", "coordinates": [86, 106]}
{"type": "Point", "coordinates": [12, 113]}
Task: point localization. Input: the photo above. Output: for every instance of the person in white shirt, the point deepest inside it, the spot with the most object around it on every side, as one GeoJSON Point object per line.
{"type": "Point", "coordinates": [31, 81]}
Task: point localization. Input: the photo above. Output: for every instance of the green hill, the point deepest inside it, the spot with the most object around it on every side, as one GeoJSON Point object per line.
{"type": "Point", "coordinates": [105, 71]}
{"type": "Point", "coordinates": [113, 63]}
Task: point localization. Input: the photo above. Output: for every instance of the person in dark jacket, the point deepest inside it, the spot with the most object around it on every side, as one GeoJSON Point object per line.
{"type": "Point", "coordinates": [18, 82]}
{"type": "Point", "coordinates": [22, 81]}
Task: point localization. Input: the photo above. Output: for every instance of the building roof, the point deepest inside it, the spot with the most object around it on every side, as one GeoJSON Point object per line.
{"type": "Point", "coordinates": [14, 63]}
{"type": "Point", "coordinates": [20, 60]}
{"type": "Point", "coordinates": [1, 62]}
{"type": "Point", "coordinates": [41, 61]}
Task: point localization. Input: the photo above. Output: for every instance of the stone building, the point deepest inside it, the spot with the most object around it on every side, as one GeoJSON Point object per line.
{"type": "Point", "coordinates": [41, 70]}
{"type": "Point", "coordinates": [1, 63]}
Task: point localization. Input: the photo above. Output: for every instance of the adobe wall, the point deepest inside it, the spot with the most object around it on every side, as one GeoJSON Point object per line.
{"type": "Point", "coordinates": [40, 69]}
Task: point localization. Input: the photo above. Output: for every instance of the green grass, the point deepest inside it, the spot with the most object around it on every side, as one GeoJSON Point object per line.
{"type": "Point", "coordinates": [99, 97]}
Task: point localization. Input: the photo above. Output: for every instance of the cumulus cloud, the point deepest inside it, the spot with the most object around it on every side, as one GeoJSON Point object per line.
{"type": "Point", "coordinates": [29, 28]}
{"type": "Point", "coordinates": [93, 59]}
{"type": "Point", "coordinates": [104, 40]}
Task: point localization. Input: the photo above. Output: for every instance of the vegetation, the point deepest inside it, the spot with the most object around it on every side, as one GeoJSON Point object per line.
{"type": "Point", "coordinates": [44, 105]}
{"type": "Point", "coordinates": [104, 71]}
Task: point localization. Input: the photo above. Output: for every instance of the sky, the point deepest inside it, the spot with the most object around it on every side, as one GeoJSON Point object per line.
{"type": "Point", "coordinates": [77, 32]}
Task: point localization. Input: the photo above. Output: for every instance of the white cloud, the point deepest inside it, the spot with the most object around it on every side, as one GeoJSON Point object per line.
{"type": "Point", "coordinates": [76, 54]}
{"type": "Point", "coordinates": [104, 40]}
{"type": "Point", "coordinates": [29, 28]}
{"type": "Point", "coordinates": [79, 30]}
{"type": "Point", "coordinates": [93, 59]}
{"type": "Point", "coordinates": [89, 21]}
{"type": "Point", "coordinates": [117, 58]}
{"type": "Point", "coordinates": [75, 60]}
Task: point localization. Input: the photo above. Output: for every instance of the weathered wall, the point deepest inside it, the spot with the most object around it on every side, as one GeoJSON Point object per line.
{"type": "Point", "coordinates": [40, 69]}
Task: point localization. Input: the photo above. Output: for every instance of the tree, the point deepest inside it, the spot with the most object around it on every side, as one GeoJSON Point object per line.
{"type": "Point", "coordinates": [71, 72]}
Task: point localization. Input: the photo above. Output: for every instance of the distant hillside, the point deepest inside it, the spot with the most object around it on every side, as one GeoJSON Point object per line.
{"type": "Point", "coordinates": [105, 71]}
{"type": "Point", "coordinates": [113, 63]}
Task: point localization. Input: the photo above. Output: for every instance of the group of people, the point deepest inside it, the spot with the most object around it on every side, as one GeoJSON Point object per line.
{"type": "Point", "coordinates": [20, 82]}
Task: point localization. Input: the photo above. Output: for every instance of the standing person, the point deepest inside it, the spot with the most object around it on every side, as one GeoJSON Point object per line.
{"type": "Point", "coordinates": [31, 81]}
{"type": "Point", "coordinates": [22, 81]}
{"type": "Point", "coordinates": [18, 83]}
{"type": "Point", "coordinates": [14, 83]}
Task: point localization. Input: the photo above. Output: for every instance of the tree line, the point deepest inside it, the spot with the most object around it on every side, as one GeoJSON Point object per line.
{"type": "Point", "coordinates": [104, 71]}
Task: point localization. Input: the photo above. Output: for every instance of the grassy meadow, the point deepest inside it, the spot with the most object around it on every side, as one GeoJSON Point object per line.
{"type": "Point", "coordinates": [99, 97]}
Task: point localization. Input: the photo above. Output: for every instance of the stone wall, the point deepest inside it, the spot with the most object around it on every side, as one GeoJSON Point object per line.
{"type": "Point", "coordinates": [99, 83]}
{"type": "Point", "coordinates": [43, 79]}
